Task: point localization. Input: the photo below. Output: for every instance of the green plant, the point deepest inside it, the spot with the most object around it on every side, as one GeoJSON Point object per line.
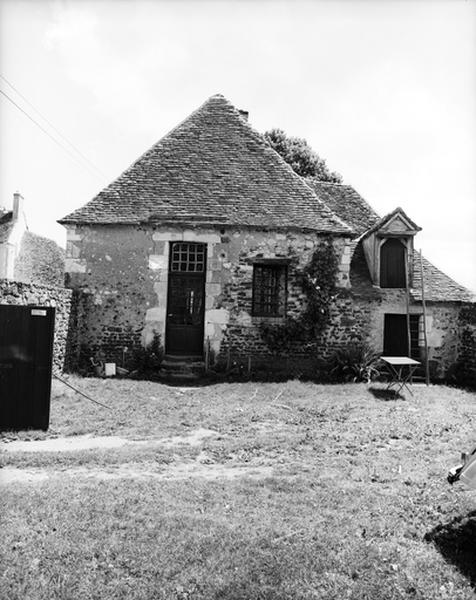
{"type": "Point", "coordinates": [279, 337]}
{"type": "Point", "coordinates": [318, 281]}
{"type": "Point", "coordinates": [356, 362]}
{"type": "Point", "coordinates": [147, 360]}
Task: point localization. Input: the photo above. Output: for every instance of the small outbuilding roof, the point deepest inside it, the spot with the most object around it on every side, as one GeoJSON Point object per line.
{"type": "Point", "coordinates": [438, 286]}
{"type": "Point", "coordinates": [216, 167]}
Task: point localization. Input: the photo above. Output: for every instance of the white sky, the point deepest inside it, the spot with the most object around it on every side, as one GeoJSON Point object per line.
{"type": "Point", "coordinates": [384, 91]}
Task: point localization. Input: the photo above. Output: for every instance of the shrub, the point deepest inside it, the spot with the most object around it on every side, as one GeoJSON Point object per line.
{"type": "Point", "coordinates": [147, 360]}
{"type": "Point", "coordinates": [356, 362]}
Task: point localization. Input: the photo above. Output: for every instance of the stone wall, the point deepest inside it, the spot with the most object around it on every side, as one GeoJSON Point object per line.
{"type": "Point", "coordinates": [121, 273]}
{"type": "Point", "coordinates": [25, 294]}
{"type": "Point", "coordinates": [466, 368]}
{"type": "Point", "coordinates": [357, 319]}
{"type": "Point", "coordinates": [121, 276]}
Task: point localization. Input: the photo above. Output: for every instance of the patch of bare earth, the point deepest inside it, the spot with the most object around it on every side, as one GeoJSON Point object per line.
{"type": "Point", "coordinates": [200, 468]}
{"type": "Point", "coordinates": [88, 442]}
{"type": "Point", "coordinates": [130, 471]}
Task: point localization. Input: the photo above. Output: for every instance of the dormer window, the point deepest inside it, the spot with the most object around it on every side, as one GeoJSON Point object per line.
{"type": "Point", "coordinates": [392, 264]}
{"type": "Point", "coordinates": [388, 246]}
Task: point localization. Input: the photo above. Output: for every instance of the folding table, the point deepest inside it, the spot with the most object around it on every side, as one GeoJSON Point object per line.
{"type": "Point", "coordinates": [401, 369]}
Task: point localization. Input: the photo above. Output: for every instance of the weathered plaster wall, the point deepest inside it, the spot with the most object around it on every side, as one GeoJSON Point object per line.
{"type": "Point", "coordinates": [25, 294]}
{"type": "Point", "coordinates": [356, 319]}
{"type": "Point", "coordinates": [109, 266]}
{"type": "Point", "coordinates": [122, 274]}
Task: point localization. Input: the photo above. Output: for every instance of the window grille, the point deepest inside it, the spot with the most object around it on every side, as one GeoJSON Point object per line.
{"type": "Point", "coordinates": [187, 257]}
{"type": "Point", "coordinates": [269, 290]}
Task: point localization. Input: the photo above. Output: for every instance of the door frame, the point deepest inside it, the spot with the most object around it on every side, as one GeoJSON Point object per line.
{"type": "Point", "coordinates": [202, 275]}
{"type": "Point", "coordinates": [414, 319]}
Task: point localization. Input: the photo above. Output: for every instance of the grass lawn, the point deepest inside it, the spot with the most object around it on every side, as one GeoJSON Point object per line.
{"type": "Point", "coordinates": [242, 491]}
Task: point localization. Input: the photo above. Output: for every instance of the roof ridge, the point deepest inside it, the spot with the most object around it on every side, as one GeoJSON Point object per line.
{"type": "Point", "coordinates": [317, 180]}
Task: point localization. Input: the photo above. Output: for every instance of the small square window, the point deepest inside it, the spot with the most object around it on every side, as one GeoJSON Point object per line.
{"type": "Point", "coordinates": [187, 257]}
{"type": "Point", "coordinates": [269, 290]}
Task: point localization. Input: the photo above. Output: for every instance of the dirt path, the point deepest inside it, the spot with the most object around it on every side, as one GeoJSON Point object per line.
{"type": "Point", "coordinates": [177, 471]}
{"type": "Point", "coordinates": [141, 471]}
{"type": "Point", "coordinates": [88, 442]}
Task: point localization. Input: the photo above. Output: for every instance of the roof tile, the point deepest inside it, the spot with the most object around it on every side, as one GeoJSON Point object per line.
{"type": "Point", "coordinates": [214, 165]}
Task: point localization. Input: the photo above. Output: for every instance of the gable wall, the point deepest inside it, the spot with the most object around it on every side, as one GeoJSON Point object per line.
{"type": "Point", "coordinates": [10, 248]}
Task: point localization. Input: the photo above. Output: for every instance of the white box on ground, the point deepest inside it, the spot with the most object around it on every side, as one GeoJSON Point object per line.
{"type": "Point", "coordinates": [109, 369]}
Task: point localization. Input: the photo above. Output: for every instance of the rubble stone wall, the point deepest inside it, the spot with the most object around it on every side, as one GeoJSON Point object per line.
{"type": "Point", "coordinates": [26, 294]}
{"type": "Point", "coordinates": [120, 274]}
{"type": "Point", "coordinates": [466, 373]}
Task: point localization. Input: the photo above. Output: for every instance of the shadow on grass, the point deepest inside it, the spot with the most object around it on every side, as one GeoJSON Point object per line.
{"type": "Point", "coordinates": [385, 394]}
{"type": "Point", "coordinates": [456, 542]}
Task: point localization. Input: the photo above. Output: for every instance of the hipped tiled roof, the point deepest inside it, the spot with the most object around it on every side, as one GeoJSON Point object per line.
{"type": "Point", "coordinates": [215, 168]}
{"type": "Point", "coordinates": [346, 203]}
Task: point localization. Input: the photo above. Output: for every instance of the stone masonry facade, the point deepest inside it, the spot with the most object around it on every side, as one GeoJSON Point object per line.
{"type": "Point", "coordinates": [27, 294]}
{"type": "Point", "coordinates": [122, 279]}
{"type": "Point", "coordinates": [467, 346]}
{"type": "Point", "coordinates": [121, 275]}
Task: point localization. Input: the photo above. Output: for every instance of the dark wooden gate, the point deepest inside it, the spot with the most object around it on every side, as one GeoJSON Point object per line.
{"type": "Point", "coordinates": [186, 299]}
{"type": "Point", "coordinates": [26, 357]}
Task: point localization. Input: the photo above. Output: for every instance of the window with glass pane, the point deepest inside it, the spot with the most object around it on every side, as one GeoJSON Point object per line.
{"type": "Point", "coordinates": [269, 290]}
{"type": "Point", "coordinates": [187, 257]}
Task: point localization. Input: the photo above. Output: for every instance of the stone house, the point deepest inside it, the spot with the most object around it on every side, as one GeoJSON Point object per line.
{"type": "Point", "coordinates": [204, 242]}
{"type": "Point", "coordinates": [32, 274]}
{"type": "Point", "coordinates": [24, 255]}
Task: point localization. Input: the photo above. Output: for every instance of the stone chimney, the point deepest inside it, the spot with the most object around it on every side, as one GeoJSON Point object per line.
{"type": "Point", "coordinates": [244, 114]}
{"type": "Point", "coordinates": [17, 205]}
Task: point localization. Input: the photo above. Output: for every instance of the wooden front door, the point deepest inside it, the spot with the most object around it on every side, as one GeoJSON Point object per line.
{"type": "Point", "coordinates": [26, 352]}
{"type": "Point", "coordinates": [186, 299]}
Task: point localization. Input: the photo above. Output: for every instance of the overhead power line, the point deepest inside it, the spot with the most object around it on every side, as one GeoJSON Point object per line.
{"type": "Point", "coordinates": [96, 171]}
{"type": "Point", "coordinates": [64, 138]}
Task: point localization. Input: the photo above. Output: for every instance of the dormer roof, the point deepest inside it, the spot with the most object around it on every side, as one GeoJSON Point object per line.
{"type": "Point", "coordinates": [396, 223]}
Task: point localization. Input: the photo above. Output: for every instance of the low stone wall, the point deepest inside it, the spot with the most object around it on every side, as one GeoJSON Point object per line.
{"type": "Point", "coordinates": [466, 368]}
{"type": "Point", "coordinates": [25, 294]}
